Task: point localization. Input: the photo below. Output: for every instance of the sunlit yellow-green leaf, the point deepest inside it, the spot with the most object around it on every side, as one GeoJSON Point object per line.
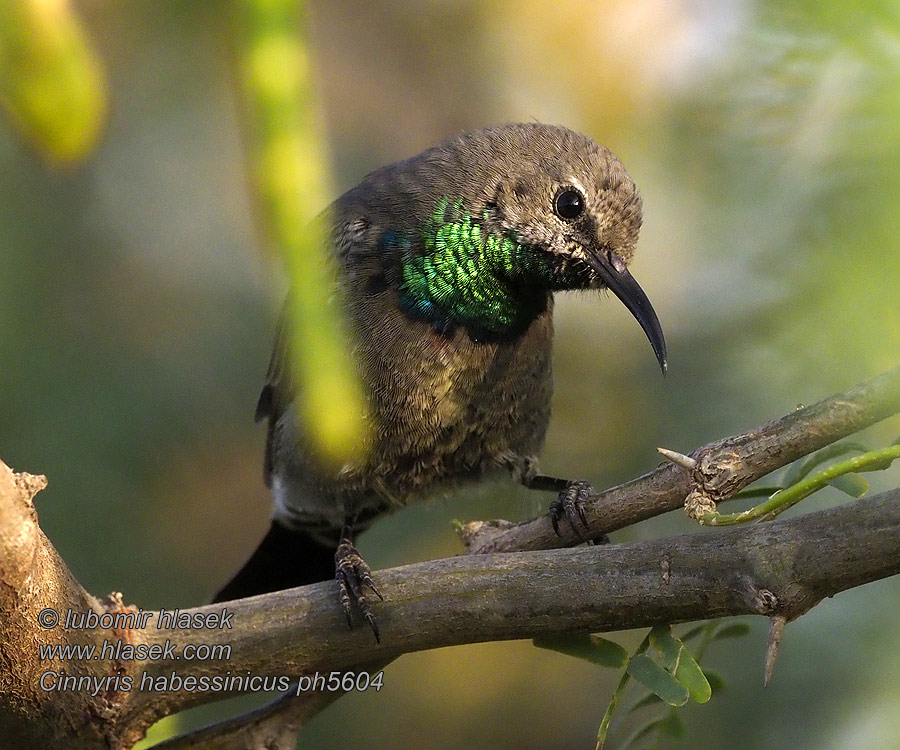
{"type": "Point", "coordinates": [52, 85]}
{"type": "Point", "coordinates": [164, 729]}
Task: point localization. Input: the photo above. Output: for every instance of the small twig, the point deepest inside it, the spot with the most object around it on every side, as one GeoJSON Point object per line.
{"type": "Point", "coordinates": [723, 468]}
{"type": "Point", "coordinates": [788, 497]}
{"type": "Point", "coordinates": [274, 726]}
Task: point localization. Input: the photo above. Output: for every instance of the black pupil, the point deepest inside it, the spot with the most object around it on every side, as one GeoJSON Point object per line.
{"type": "Point", "coordinates": [569, 204]}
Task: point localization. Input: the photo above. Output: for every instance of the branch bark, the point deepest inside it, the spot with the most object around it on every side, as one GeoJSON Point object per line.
{"type": "Point", "coordinates": [780, 568]}
{"type": "Point", "coordinates": [33, 577]}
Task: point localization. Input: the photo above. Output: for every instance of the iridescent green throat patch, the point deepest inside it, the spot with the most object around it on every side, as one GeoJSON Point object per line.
{"type": "Point", "coordinates": [462, 274]}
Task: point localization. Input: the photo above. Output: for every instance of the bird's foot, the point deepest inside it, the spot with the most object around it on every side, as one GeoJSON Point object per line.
{"type": "Point", "coordinates": [353, 576]}
{"type": "Point", "coordinates": [570, 504]}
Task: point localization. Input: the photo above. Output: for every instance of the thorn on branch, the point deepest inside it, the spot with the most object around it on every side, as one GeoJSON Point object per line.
{"type": "Point", "coordinates": [765, 602]}
{"type": "Point", "coordinates": [679, 459]}
{"type": "Point", "coordinates": [698, 504]}
{"type": "Point", "coordinates": [776, 633]}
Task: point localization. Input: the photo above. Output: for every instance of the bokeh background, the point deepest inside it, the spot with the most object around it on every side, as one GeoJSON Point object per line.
{"type": "Point", "coordinates": [137, 309]}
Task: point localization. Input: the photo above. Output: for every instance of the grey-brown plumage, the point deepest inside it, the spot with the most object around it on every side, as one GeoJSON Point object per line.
{"type": "Point", "coordinates": [448, 263]}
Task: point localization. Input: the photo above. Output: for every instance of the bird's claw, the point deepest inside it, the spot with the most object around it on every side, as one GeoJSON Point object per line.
{"type": "Point", "coordinates": [353, 576]}
{"type": "Point", "coordinates": [570, 504]}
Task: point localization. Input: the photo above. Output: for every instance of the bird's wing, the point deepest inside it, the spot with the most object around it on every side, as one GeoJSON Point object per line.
{"type": "Point", "coordinates": [278, 391]}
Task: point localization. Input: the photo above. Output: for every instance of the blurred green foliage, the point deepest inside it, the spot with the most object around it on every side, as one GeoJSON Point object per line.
{"type": "Point", "coordinates": [136, 321]}
{"type": "Point", "coordinates": [51, 84]}
{"type": "Point", "coordinates": [288, 164]}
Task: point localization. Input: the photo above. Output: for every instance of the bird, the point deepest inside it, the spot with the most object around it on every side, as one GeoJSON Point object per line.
{"type": "Point", "coordinates": [448, 263]}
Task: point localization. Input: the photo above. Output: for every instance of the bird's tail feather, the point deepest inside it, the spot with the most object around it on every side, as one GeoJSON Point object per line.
{"type": "Point", "coordinates": [284, 559]}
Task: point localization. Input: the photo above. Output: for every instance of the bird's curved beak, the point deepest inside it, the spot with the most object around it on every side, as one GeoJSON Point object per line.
{"type": "Point", "coordinates": [611, 269]}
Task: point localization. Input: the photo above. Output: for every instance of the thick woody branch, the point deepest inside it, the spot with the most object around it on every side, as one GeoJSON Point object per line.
{"type": "Point", "coordinates": [782, 568]}
{"type": "Point", "coordinates": [777, 569]}
{"type": "Point", "coordinates": [33, 577]}
{"type": "Point", "coordinates": [723, 468]}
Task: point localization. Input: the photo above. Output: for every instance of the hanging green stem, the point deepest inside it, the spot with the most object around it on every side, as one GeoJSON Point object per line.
{"type": "Point", "coordinates": [288, 165]}
{"type": "Point", "coordinates": [52, 84]}
{"type": "Point", "coordinates": [603, 729]}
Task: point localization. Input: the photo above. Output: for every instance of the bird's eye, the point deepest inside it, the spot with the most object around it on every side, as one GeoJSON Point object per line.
{"type": "Point", "coordinates": [569, 203]}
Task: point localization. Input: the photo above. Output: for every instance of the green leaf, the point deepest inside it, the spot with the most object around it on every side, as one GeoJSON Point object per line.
{"type": "Point", "coordinates": [671, 726]}
{"type": "Point", "coordinates": [651, 699]}
{"type": "Point", "coordinates": [288, 166]}
{"type": "Point", "coordinates": [801, 468]}
{"type": "Point", "coordinates": [52, 83]}
{"type": "Point", "coordinates": [642, 733]}
{"type": "Point", "coordinates": [733, 630]}
{"type": "Point", "coordinates": [680, 663]}
{"type": "Point", "coordinates": [696, 631]}
{"type": "Point", "coordinates": [716, 681]}
{"type": "Point", "coordinates": [668, 646]}
{"type": "Point", "coordinates": [655, 678]}
{"type": "Point", "coordinates": [591, 648]}
{"type": "Point", "coordinates": [853, 484]}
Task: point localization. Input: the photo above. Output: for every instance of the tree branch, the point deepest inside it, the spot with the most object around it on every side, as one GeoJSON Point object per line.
{"type": "Point", "coordinates": [724, 468]}
{"type": "Point", "coordinates": [781, 569]}
{"type": "Point", "coordinates": [784, 568]}
{"type": "Point", "coordinates": [777, 569]}
{"type": "Point", "coordinates": [33, 577]}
